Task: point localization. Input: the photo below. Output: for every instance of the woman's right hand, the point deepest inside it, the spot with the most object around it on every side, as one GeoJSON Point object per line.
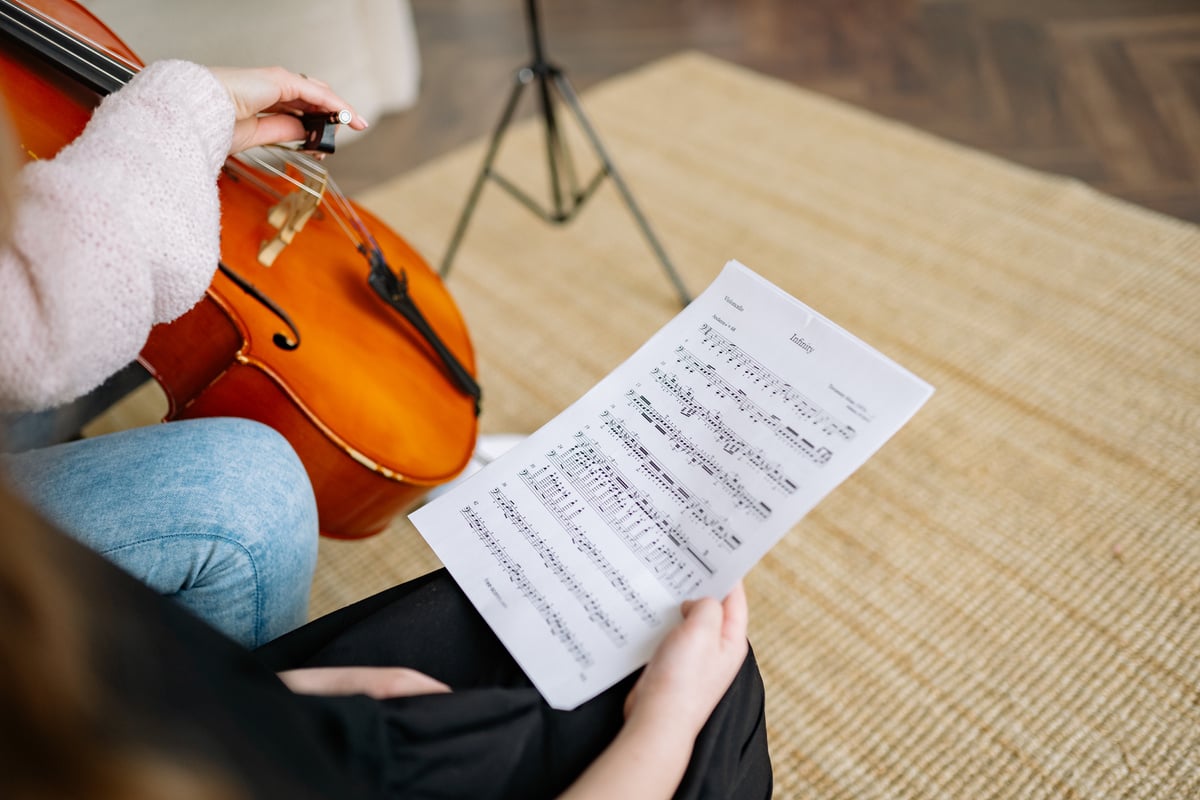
{"type": "Point", "coordinates": [694, 665]}
{"type": "Point", "coordinates": [267, 103]}
{"type": "Point", "coordinates": [675, 695]}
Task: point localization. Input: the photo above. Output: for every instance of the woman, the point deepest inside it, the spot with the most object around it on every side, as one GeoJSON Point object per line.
{"type": "Point", "coordinates": [120, 231]}
{"type": "Point", "coordinates": [109, 690]}
{"type": "Point", "coordinates": [134, 698]}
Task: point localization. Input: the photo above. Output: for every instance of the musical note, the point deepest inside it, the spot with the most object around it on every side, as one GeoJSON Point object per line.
{"type": "Point", "coordinates": [670, 478]}
{"type": "Point", "coordinates": [548, 487]}
{"type": "Point", "coordinates": [730, 442]}
{"type": "Point", "coordinates": [764, 378]}
{"type": "Point", "coordinates": [550, 558]}
{"type": "Point", "coordinates": [516, 573]}
{"type": "Point", "coordinates": [632, 515]}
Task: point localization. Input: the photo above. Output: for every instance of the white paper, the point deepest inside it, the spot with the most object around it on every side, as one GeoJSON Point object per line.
{"type": "Point", "coordinates": [668, 480]}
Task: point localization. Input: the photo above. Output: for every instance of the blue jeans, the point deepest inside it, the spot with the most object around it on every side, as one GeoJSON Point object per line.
{"type": "Point", "coordinates": [216, 513]}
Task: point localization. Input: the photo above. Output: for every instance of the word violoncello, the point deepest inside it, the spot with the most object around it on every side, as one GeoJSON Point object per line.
{"type": "Point", "coordinates": [320, 321]}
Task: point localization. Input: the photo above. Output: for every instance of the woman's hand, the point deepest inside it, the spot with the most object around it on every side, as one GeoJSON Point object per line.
{"type": "Point", "coordinates": [677, 692]}
{"type": "Point", "coordinates": [269, 100]}
{"type": "Point", "coordinates": [378, 682]}
{"type": "Point", "coordinates": [694, 665]}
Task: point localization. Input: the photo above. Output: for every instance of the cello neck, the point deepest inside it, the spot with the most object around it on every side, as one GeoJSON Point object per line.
{"type": "Point", "coordinates": [85, 62]}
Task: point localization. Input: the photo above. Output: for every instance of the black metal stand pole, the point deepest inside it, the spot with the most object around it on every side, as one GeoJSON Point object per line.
{"type": "Point", "coordinates": [567, 199]}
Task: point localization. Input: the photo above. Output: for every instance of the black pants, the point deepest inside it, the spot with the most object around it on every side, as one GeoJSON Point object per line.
{"type": "Point", "coordinates": [493, 735]}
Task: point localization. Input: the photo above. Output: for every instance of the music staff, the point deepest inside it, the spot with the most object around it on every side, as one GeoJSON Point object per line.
{"type": "Point", "coordinates": [632, 515]}
{"type": "Point", "coordinates": [708, 461]}
{"type": "Point", "coordinates": [548, 487]}
{"type": "Point", "coordinates": [516, 574]}
{"type": "Point", "coordinates": [692, 502]}
{"type": "Point", "coordinates": [762, 376]}
{"type": "Point", "coordinates": [729, 441]}
{"type": "Point", "coordinates": [554, 563]}
{"type": "Point", "coordinates": [819, 454]}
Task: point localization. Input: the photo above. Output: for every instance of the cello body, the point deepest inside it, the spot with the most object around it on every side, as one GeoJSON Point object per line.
{"type": "Point", "coordinates": [363, 398]}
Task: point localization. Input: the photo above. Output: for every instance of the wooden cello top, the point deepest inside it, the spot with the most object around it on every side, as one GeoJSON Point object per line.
{"type": "Point", "coordinates": [364, 374]}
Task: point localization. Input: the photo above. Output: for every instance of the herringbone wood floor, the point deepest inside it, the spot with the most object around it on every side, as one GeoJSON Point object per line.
{"type": "Point", "coordinates": [1104, 90]}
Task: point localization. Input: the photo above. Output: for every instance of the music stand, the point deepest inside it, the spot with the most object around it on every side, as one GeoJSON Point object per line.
{"type": "Point", "coordinates": [568, 197]}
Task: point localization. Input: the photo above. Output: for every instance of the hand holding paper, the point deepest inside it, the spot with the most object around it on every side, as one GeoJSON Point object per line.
{"type": "Point", "coordinates": [668, 480]}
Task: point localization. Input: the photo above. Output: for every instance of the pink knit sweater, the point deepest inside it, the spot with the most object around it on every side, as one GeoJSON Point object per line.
{"type": "Point", "coordinates": [118, 232]}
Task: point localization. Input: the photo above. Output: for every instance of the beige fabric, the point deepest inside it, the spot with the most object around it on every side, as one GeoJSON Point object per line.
{"type": "Point", "coordinates": [1005, 601]}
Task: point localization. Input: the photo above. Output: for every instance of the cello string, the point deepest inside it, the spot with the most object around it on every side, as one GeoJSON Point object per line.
{"type": "Point", "coordinates": [267, 166]}
{"type": "Point", "coordinates": [122, 68]}
{"type": "Point", "coordinates": [331, 198]}
{"type": "Point", "coordinates": [345, 215]}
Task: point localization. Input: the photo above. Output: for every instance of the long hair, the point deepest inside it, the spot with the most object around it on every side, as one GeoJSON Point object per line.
{"type": "Point", "coordinates": [56, 714]}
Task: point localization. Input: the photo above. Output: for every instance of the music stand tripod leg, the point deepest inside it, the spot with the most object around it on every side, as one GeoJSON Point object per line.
{"type": "Point", "coordinates": [523, 77]}
{"type": "Point", "coordinates": [558, 158]}
{"type": "Point", "coordinates": [568, 94]}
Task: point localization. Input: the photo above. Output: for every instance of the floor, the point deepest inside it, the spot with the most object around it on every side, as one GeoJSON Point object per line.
{"type": "Point", "coordinates": [1107, 91]}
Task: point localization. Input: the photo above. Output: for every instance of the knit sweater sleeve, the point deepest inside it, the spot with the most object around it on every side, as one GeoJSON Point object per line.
{"type": "Point", "coordinates": [119, 231]}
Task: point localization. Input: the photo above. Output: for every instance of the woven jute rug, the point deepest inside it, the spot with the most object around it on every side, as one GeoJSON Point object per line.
{"type": "Point", "coordinates": [1005, 601]}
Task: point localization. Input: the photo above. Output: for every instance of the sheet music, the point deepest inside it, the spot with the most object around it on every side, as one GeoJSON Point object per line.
{"type": "Point", "coordinates": [668, 480]}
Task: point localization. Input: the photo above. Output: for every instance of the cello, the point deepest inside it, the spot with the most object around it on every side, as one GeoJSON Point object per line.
{"type": "Point", "coordinates": [320, 321]}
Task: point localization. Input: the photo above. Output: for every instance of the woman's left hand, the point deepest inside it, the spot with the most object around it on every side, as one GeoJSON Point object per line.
{"type": "Point", "coordinates": [268, 100]}
{"type": "Point", "coordinates": [378, 682]}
